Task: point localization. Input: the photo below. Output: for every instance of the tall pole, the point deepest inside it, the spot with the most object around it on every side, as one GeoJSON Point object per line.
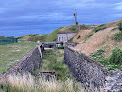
{"type": "Point", "coordinates": [75, 15]}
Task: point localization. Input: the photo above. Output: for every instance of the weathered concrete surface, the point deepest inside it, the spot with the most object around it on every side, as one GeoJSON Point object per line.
{"type": "Point", "coordinates": [64, 37]}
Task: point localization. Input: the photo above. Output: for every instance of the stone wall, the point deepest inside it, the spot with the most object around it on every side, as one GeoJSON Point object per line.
{"type": "Point", "coordinates": [29, 63]}
{"type": "Point", "coordinates": [70, 44]}
{"type": "Point", "coordinates": [90, 73]}
{"type": "Point", "coordinates": [93, 76]}
{"type": "Point", "coordinates": [113, 81]}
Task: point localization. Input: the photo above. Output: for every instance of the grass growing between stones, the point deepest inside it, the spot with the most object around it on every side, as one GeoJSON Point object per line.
{"type": "Point", "coordinates": [12, 53]}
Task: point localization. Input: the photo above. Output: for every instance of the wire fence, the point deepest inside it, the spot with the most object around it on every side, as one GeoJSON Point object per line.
{"type": "Point", "coordinates": [8, 40]}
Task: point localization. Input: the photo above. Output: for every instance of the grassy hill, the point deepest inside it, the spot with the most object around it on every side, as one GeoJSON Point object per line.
{"type": "Point", "coordinates": [103, 43]}
{"type": "Point", "coordinates": [46, 37]}
{"type": "Point", "coordinates": [53, 36]}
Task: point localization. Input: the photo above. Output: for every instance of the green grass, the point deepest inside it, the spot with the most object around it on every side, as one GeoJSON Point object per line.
{"type": "Point", "coordinates": [53, 61]}
{"type": "Point", "coordinates": [70, 40]}
{"type": "Point", "coordinates": [53, 36]}
{"type": "Point", "coordinates": [12, 53]}
{"type": "Point", "coordinates": [60, 47]}
{"type": "Point", "coordinates": [114, 29]}
{"type": "Point", "coordinates": [46, 37]}
{"type": "Point", "coordinates": [99, 28]}
{"type": "Point", "coordinates": [117, 36]}
{"type": "Point", "coordinates": [113, 62]}
{"type": "Point", "coordinates": [74, 28]}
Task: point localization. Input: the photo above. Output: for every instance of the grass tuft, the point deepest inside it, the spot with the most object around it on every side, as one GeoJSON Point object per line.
{"type": "Point", "coordinates": [28, 83]}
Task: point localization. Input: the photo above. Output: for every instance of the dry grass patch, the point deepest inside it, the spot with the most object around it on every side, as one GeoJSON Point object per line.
{"type": "Point", "coordinates": [29, 83]}
{"type": "Point", "coordinates": [96, 41]}
{"type": "Point", "coordinates": [83, 34]}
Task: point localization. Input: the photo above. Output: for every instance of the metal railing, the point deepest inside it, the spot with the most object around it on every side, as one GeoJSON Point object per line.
{"type": "Point", "coordinates": [8, 40]}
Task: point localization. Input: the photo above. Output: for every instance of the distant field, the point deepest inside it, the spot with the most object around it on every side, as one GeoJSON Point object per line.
{"type": "Point", "coordinates": [12, 53]}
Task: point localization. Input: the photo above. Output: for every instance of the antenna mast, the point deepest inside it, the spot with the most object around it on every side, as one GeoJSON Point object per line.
{"type": "Point", "coordinates": [75, 15]}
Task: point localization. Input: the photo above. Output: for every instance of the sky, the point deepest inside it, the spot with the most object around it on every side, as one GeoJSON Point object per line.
{"type": "Point", "coordinates": [22, 17]}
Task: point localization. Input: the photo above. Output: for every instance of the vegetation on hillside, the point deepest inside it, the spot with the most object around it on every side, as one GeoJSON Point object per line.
{"type": "Point", "coordinates": [87, 38]}
{"type": "Point", "coordinates": [70, 40]}
{"type": "Point", "coordinates": [74, 28]}
{"type": "Point", "coordinates": [99, 28]}
{"type": "Point", "coordinates": [46, 37]}
{"type": "Point", "coordinates": [117, 36]}
{"type": "Point", "coordinates": [53, 36]}
{"type": "Point", "coordinates": [116, 56]}
{"type": "Point", "coordinates": [114, 29]}
{"type": "Point", "coordinates": [114, 61]}
{"type": "Point", "coordinates": [12, 53]}
{"type": "Point", "coordinates": [120, 26]}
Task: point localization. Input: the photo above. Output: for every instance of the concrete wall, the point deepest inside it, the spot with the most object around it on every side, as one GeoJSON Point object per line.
{"type": "Point", "coordinates": [29, 63]}
{"type": "Point", "coordinates": [93, 76]}
{"type": "Point", "coordinates": [64, 37]}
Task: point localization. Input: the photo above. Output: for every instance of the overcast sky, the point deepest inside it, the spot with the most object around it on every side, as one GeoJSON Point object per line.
{"type": "Point", "coordinates": [22, 17]}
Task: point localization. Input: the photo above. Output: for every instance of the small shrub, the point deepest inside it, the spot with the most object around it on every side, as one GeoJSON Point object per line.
{"type": "Point", "coordinates": [98, 55]}
{"type": "Point", "coordinates": [76, 23]}
{"type": "Point", "coordinates": [120, 26]}
{"type": "Point", "coordinates": [117, 36]}
{"type": "Point", "coordinates": [116, 57]}
{"type": "Point", "coordinates": [78, 37]}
